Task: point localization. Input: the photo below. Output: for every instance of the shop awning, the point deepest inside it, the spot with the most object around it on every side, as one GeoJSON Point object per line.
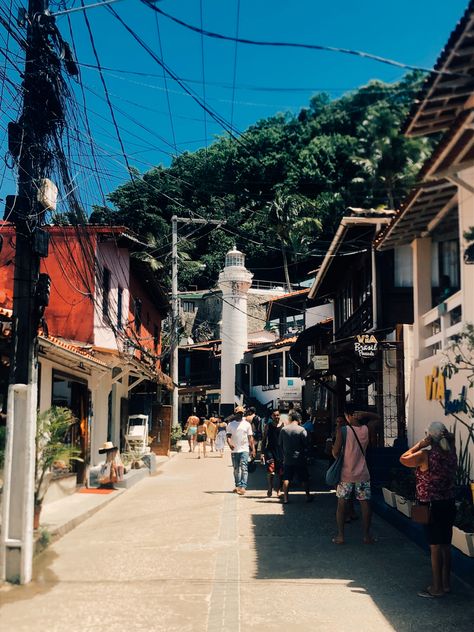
{"type": "Point", "coordinates": [446, 90]}
{"type": "Point", "coordinates": [422, 207]}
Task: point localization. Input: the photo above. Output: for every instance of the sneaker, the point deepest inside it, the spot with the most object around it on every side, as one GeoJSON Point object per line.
{"type": "Point", "coordinates": [241, 491]}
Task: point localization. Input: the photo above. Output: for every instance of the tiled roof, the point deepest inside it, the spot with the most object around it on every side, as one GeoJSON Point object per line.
{"type": "Point", "coordinates": [295, 293]}
{"type": "Point", "coordinates": [59, 342]}
{"type": "Point", "coordinates": [282, 342]}
{"type": "Point", "coordinates": [62, 344]}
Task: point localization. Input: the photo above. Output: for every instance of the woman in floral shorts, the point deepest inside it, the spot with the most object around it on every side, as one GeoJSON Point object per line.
{"type": "Point", "coordinates": [355, 475]}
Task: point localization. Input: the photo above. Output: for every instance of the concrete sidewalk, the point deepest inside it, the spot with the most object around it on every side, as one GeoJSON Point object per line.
{"type": "Point", "coordinates": [60, 516]}
{"type": "Point", "coordinates": [181, 552]}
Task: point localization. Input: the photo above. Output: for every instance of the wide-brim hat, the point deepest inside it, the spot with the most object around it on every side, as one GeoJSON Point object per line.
{"type": "Point", "coordinates": [108, 445]}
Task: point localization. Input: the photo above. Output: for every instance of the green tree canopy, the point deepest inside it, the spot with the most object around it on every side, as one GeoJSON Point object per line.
{"type": "Point", "coordinates": [331, 155]}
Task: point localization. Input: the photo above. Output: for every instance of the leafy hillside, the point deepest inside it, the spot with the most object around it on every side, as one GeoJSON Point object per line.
{"type": "Point", "coordinates": [281, 187]}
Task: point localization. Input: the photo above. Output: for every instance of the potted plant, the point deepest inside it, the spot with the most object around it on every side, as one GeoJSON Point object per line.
{"type": "Point", "coordinates": [388, 492]}
{"type": "Point", "coordinates": [52, 452]}
{"type": "Point", "coordinates": [176, 435]}
{"type": "Point", "coordinates": [404, 488]}
{"type": "Point", "coordinates": [463, 530]}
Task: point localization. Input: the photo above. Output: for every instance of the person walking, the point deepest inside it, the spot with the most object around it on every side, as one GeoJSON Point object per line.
{"type": "Point", "coordinates": [240, 441]}
{"type": "Point", "coordinates": [211, 427]}
{"type": "Point", "coordinates": [355, 477]}
{"type": "Point", "coordinates": [256, 423]}
{"type": "Point", "coordinates": [201, 437]}
{"type": "Point", "coordinates": [434, 458]}
{"type": "Point", "coordinates": [221, 436]}
{"type": "Point", "coordinates": [191, 429]}
{"type": "Point", "coordinates": [272, 455]}
{"type": "Point", "coordinates": [293, 442]}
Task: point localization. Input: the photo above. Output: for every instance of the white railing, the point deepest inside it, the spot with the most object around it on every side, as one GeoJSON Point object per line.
{"type": "Point", "coordinates": [443, 322]}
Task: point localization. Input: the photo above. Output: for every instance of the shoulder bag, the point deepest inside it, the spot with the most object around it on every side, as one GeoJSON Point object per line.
{"type": "Point", "coordinates": [333, 475]}
{"type": "Point", "coordinates": [357, 439]}
{"type": "Point", "coordinates": [421, 513]}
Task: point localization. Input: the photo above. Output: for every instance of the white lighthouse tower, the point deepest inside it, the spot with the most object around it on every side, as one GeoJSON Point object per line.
{"type": "Point", "coordinates": [234, 282]}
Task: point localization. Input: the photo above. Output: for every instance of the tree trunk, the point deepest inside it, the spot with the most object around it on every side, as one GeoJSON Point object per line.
{"type": "Point", "coordinates": [285, 267]}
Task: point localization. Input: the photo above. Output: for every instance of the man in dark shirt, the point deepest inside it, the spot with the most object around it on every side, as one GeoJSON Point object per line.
{"type": "Point", "coordinates": [271, 452]}
{"type": "Point", "coordinates": [293, 440]}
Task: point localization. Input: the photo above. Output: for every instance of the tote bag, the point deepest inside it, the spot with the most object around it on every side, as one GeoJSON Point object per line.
{"type": "Point", "coordinates": [333, 475]}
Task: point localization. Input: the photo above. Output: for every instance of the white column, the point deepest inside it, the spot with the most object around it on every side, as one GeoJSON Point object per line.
{"type": "Point", "coordinates": [234, 335]}
{"type": "Point", "coordinates": [466, 222]}
{"type": "Point", "coordinates": [421, 292]}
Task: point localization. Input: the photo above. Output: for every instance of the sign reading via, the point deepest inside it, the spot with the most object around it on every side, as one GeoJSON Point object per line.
{"type": "Point", "coordinates": [366, 345]}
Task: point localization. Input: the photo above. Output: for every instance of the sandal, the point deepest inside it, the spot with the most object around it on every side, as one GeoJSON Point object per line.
{"type": "Point", "coordinates": [427, 594]}
{"type": "Point", "coordinates": [337, 540]}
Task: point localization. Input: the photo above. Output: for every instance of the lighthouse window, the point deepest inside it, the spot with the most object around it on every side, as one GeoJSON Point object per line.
{"type": "Point", "coordinates": [234, 259]}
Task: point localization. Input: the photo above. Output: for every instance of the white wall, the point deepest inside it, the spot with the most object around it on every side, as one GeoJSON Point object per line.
{"type": "Point", "coordinates": [423, 411]}
{"type": "Point", "coordinates": [284, 392]}
{"type": "Point", "coordinates": [117, 261]}
{"type": "Point", "coordinates": [315, 315]}
{"type": "Point", "coordinates": [99, 383]}
{"type": "Point", "coordinates": [466, 221]}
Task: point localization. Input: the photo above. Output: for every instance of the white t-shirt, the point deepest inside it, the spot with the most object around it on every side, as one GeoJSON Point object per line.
{"type": "Point", "coordinates": [239, 432]}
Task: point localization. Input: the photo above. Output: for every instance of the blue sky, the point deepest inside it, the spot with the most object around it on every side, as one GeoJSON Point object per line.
{"type": "Point", "coordinates": [412, 32]}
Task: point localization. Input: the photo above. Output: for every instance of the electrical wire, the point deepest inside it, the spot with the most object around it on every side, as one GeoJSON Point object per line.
{"type": "Point", "coordinates": [217, 117]}
{"type": "Point", "coordinates": [318, 47]}
{"type": "Point", "coordinates": [236, 48]}
{"type": "Point", "coordinates": [165, 79]}
{"type": "Point", "coordinates": [203, 66]}
{"type": "Point", "coordinates": [104, 85]}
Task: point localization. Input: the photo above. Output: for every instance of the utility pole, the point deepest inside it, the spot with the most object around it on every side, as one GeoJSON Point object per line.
{"type": "Point", "coordinates": [175, 303]}
{"type": "Point", "coordinates": [28, 143]}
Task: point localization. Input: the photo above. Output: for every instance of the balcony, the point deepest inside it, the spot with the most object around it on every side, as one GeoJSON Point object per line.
{"type": "Point", "coordinates": [442, 323]}
{"type": "Point", "coordinates": [359, 322]}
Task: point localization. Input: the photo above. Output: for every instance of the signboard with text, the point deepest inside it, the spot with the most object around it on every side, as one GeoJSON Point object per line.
{"type": "Point", "coordinates": [320, 362]}
{"type": "Point", "coordinates": [366, 345]}
{"type": "Point", "coordinates": [290, 388]}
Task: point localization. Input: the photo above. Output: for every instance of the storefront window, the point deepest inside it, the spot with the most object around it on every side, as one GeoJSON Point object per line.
{"type": "Point", "coordinates": [403, 266]}
{"type": "Point", "coordinates": [275, 368]}
{"type": "Point", "coordinates": [72, 392]}
{"type": "Point", "coordinates": [259, 371]}
{"type": "Point", "coordinates": [291, 368]}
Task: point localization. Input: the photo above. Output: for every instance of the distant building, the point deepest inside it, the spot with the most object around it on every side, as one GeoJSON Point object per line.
{"type": "Point", "coordinates": [202, 317]}
{"type": "Point", "coordinates": [100, 342]}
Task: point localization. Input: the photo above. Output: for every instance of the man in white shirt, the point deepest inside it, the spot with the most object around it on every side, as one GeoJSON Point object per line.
{"type": "Point", "coordinates": [240, 441]}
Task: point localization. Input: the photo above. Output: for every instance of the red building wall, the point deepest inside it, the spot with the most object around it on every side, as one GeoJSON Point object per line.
{"type": "Point", "coordinates": [150, 317]}
{"type": "Point", "coordinates": [70, 265]}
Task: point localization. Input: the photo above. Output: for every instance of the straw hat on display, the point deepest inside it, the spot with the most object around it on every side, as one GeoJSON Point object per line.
{"type": "Point", "coordinates": [107, 446]}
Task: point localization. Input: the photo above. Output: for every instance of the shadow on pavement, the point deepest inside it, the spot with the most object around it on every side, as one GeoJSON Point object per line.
{"type": "Point", "coordinates": [296, 544]}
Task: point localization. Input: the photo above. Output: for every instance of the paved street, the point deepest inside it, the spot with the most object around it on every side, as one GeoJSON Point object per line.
{"type": "Point", "coordinates": [179, 552]}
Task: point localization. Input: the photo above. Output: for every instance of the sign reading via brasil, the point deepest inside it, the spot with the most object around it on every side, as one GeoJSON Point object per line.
{"type": "Point", "coordinates": [366, 345]}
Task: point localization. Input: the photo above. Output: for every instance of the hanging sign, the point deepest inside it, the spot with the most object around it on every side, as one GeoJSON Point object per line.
{"type": "Point", "coordinates": [366, 345]}
{"type": "Point", "coordinates": [320, 362]}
